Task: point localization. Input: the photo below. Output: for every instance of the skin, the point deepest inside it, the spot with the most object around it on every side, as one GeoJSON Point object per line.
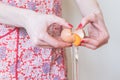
{"type": "Point", "coordinates": [92, 16]}
{"type": "Point", "coordinates": [36, 25]}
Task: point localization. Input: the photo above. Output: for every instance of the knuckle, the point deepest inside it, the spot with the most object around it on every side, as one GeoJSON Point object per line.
{"type": "Point", "coordinates": [106, 42]}
{"type": "Point", "coordinates": [56, 45]}
{"type": "Point", "coordinates": [106, 39]}
{"type": "Point", "coordinates": [94, 15]}
{"type": "Point", "coordinates": [42, 36]}
{"type": "Point", "coordinates": [97, 44]}
{"type": "Point", "coordinates": [94, 48]}
{"type": "Point", "coordinates": [35, 42]}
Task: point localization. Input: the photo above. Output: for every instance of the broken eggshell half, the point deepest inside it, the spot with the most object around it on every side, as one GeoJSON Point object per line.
{"type": "Point", "coordinates": [74, 37]}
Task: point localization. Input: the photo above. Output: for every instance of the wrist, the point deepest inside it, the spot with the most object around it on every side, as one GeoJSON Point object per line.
{"type": "Point", "coordinates": [91, 6]}
{"type": "Point", "coordinates": [17, 16]}
{"type": "Point", "coordinates": [92, 11]}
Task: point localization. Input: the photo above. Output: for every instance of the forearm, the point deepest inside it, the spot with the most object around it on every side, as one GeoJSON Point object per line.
{"type": "Point", "coordinates": [88, 6]}
{"type": "Point", "coordinates": [13, 15]}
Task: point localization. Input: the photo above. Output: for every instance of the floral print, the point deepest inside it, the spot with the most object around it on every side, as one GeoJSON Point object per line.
{"type": "Point", "coordinates": [19, 60]}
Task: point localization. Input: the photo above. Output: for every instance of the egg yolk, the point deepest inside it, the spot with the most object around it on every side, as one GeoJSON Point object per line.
{"type": "Point", "coordinates": [72, 37]}
{"type": "Point", "coordinates": [77, 39]}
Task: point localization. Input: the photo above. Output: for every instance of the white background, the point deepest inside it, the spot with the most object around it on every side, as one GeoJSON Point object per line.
{"type": "Point", "coordinates": [103, 63]}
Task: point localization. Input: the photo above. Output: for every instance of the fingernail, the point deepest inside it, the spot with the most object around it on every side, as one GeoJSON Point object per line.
{"type": "Point", "coordinates": [71, 26]}
{"type": "Point", "coordinates": [83, 41]}
{"type": "Point", "coordinates": [70, 45]}
{"type": "Point", "coordinates": [80, 44]}
{"type": "Point", "coordinates": [80, 26]}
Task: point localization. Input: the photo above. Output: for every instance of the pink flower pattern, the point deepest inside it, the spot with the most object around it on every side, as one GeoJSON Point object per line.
{"type": "Point", "coordinates": [19, 60]}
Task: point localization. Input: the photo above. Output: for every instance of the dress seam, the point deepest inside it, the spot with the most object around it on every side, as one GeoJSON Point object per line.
{"type": "Point", "coordinates": [16, 61]}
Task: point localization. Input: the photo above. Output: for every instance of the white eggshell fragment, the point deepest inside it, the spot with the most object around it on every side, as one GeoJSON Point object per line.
{"type": "Point", "coordinates": [80, 32]}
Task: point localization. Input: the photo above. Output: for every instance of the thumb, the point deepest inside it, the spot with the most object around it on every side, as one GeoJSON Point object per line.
{"type": "Point", "coordinates": [60, 21]}
{"type": "Point", "coordinates": [86, 20]}
{"type": "Point", "coordinates": [54, 42]}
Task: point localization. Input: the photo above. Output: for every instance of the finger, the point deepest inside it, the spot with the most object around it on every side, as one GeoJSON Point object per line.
{"type": "Point", "coordinates": [89, 46]}
{"type": "Point", "coordinates": [54, 42]}
{"type": "Point", "coordinates": [40, 42]}
{"type": "Point", "coordinates": [42, 46]}
{"type": "Point", "coordinates": [91, 41]}
{"type": "Point", "coordinates": [86, 20]}
{"type": "Point", "coordinates": [59, 38]}
{"type": "Point", "coordinates": [60, 21]}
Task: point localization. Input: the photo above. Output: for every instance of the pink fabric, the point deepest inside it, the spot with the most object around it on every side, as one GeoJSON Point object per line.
{"type": "Point", "coordinates": [19, 60]}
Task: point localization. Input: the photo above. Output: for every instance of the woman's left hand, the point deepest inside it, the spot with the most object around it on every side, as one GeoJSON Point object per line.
{"type": "Point", "coordinates": [97, 32]}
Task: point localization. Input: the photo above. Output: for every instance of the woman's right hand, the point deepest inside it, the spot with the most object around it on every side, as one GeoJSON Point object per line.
{"type": "Point", "coordinates": [37, 25]}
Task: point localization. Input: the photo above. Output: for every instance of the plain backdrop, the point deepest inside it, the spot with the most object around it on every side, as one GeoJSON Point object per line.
{"type": "Point", "coordinates": [103, 63]}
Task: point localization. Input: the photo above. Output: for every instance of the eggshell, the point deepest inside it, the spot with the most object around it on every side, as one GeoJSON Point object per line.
{"type": "Point", "coordinates": [80, 32]}
{"type": "Point", "coordinates": [78, 36]}
{"type": "Point", "coordinates": [66, 35]}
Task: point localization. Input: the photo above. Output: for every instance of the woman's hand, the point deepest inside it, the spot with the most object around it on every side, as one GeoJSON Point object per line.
{"type": "Point", "coordinates": [97, 32]}
{"type": "Point", "coordinates": [37, 25]}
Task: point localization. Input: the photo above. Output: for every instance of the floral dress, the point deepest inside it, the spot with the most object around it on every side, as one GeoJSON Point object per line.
{"type": "Point", "coordinates": [19, 60]}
